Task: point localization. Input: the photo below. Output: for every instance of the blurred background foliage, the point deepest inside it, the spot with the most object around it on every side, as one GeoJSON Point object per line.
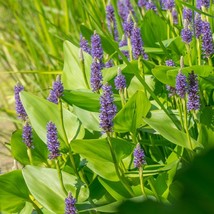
{"type": "Point", "coordinates": [31, 47]}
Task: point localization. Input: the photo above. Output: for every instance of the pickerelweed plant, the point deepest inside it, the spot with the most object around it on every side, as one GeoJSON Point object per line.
{"type": "Point", "coordinates": [133, 106]}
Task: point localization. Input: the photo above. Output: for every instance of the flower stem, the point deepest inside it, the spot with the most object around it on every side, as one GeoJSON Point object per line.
{"type": "Point", "coordinates": [82, 62]}
{"type": "Point", "coordinates": [130, 48]}
{"type": "Point", "coordinates": [29, 153]}
{"type": "Point", "coordinates": [189, 54]}
{"type": "Point", "coordinates": [66, 140]}
{"type": "Point", "coordinates": [141, 181]}
{"type": "Point", "coordinates": [121, 177]}
{"type": "Point", "coordinates": [198, 51]}
{"type": "Point", "coordinates": [60, 177]}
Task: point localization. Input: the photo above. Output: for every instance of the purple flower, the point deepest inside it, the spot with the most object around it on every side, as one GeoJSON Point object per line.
{"type": "Point", "coordinates": [108, 109]}
{"type": "Point", "coordinates": [27, 135]}
{"type": "Point", "coordinates": [109, 64]}
{"type": "Point", "coordinates": [96, 75]}
{"type": "Point", "coordinates": [120, 81]}
{"type": "Point", "coordinates": [56, 91]}
{"type": "Point", "coordinates": [128, 26]}
{"type": "Point", "coordinates": [193, 93]}
{"type": "Point", "coordinates": [70, 205]}
{"type": "Point", "coordinates": [207, 42]}
{"type": "Point", "coordinates": [205, 3]}
{"type": "Point", "coordinates": [171, 90]}
{"type": "Point", "coordinates": [137, 44]}
{"type": "Point", "coordinates": [181, 85]}
{"type": "Point", "coordinates": [123, 43]}
{"type": "Point", "coordinates": [122, 10]}
{"type": "Point", "coordinates": [175, 16]}
{"type": "Point", "coordinates": [186, 35]}
{"type": "Point", "coordinates": [198, 26]}
{"type": "Point", "coordinates": [129, 7]}
{"type": "Point", "coordinates": [168, 4]}
{"type": "Point", "coordinates": [139, 156]}
{"type": "Point", "coordinates": [170, 63]}
{"type": "Point", "coordinates": [96, 47]}
{"type": "Point", "coordinates": [52, 141]}
{"type": "Point", "coordinates": [187, 14]}
{"type": "Point", "coordinates": [111, 22]}
{"type": "Point", "coordinates": [198, 4]}
{"type": "Point", "coordinates": [142, 3]}
{"type": "Point", "coordinates": [19, 107]}
{"type": "Point", "coordinates": [84, 45]}
{"type": "Point", "coordinates": [151, 6]}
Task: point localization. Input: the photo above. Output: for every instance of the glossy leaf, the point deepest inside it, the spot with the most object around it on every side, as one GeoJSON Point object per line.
{"type": "Point", "coordinates": [44, 185]}
{"type": "Point", "coordinates": [19, 149]}
{"type": "Point", "coordinates": [13, 192]}
{"type": "Point", "coordinates": [129, 118]}
{"type": "Point", "coordinates": [42, 111]}
{"type": "Point", "coordinates": [98, 155]}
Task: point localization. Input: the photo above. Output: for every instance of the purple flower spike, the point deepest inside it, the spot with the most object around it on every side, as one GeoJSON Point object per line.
{"type": "Point", "coordinates": [107, 110]}
{"type": "Point", "coordinates": [186, 35]}
{"type": "Point", "coordinates": [123, 43]}
{"type": "Point", "coordinates": [207, 42]}
{"type": "Point", "coordinates": [198, 4]}
{"type": "Point", "coordinates": [181, 85]}
{"type": "Point", "coordinates": [187, 14]}
{"type": "Point", "coordinates": [122, 10]}
{"type": "Point", "coordinates": [169, 4]}
{"type": "Point", "coordinates": [96, 75]}
{"type": "Point", "coordinates": [193, 93]}
{"type": "Point", "coordinates": [27, 135]}
{"type": "Point", "coordinates": [96, 47]}
{"type": "Point", "coordinates": [109, 64]}
{"type": "Point", "coordinates": [175, 16]}
{"type": "Point", "coordinates": [52, 141]}
{"type": "Point", "coordinates": [139, 156]}
{"type": "Point", "coordinates": [198, 26]}
{"type": "Point", "coordinates": [129, 7]}
{"type": "Point", "coordinates": [151, 6]}
{"type": "Point", "coordinates": [170, 63]}
{"type": "Point", "coordinates": [111, 22]}
{"type": "Point", "coordinates": [128, 26]}
{"type": "Point", "coordinates": [142, 3]}
{"type": "Point", "coordinates": [120, 81]}
{"type": "Point", "coordinates": [137, 44]}
{"type": "Point", "coordinates": [70, 205]}
{"type": "Point", "coordinates": [56, 91]}
{"type": "Point", "coordinates": [84, 45]}
{"type": "Point", "coordinates": [205, 3]}
{"type": "Point", "coordinates": [19, 107]}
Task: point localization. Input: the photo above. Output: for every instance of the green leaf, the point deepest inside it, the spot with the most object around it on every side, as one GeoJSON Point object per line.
{"type": "Point", "coordinates": [13, 192]}
{"type": "Point", "coordinates": [129, 118]}
{"type": "Point", "coordinates": [167, 75]}
{"type": "Point", "coordinates": [41, 111]}
{"type": "Point", "coordinates": [98, 155]}
{"type": "Point", "coordinates": [160, 122]}
{"type": "Point", "coordinates": [154, 29]}
{"type": "Point", "coordinates": [84, 99]}
{"type": "Point", "coordinates": [73, 77]}
{"type": "Point", "coordinates": [115, 189]}
{"type": "Point", "coordinates": [89, 120]}
{"type": "Point", "coordinates": [19, 149]}
{"type": "Point", "coordinates": [44, 185]}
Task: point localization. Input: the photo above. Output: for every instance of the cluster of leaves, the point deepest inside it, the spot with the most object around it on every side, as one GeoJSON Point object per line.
{"type": "Point", "coordinates": [88, 168]}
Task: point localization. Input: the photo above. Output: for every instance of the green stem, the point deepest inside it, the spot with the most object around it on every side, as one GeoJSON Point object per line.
{"type": "Point", "coordinates": [130, 48]}
{"type": "Point", "coordinates": [121, 177]}
{"type": "Point", "coordinates": [198, 51]}
{"type": "Point", "coordinates": [60, 177]}
{"type": "Point", "coordinates": [189, 54]}
{"type": "Point", "coordinates": [179, 104]}
{"type": "Point", "coordinates": [66, 140]}
{"type": "Point", "coordinates": [38, 210]}
{"type": "Point", "coordinates": [141, 181]}
{"type": "Point", "coordinates": [82, 62]}
{"type": "Point", "coordinates": [186, 123]}
{"type": "Point", "coordinates": [122, 97]}
{"type": "Point", "coordinates": [29, 153]}
{"type": "Point", "coordinates": [210, 61]}
{"type": "Point", "coordinates": [151, 184]}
